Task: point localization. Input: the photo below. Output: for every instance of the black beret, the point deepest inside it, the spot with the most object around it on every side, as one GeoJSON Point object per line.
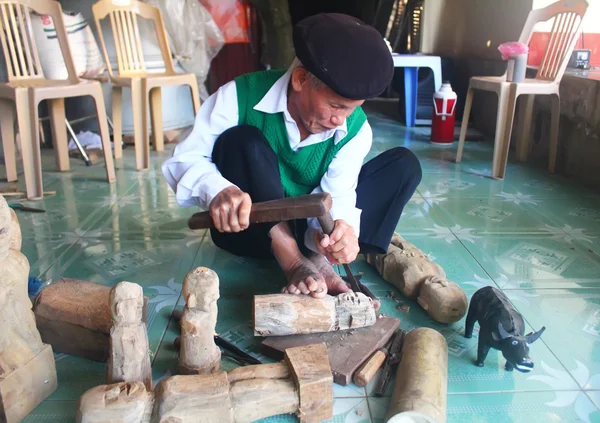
{"type": "Point", "coordinates": [348, 55]}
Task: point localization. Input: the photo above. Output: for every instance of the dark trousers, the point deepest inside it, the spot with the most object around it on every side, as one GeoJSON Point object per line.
{"type": "Point", "coordinates": [385, 184]}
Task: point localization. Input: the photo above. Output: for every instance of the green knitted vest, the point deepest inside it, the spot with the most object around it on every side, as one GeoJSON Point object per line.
{"type": "Point", "coordinates": [301, 171]}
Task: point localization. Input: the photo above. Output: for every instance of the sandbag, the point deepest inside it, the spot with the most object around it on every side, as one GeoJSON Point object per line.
{"type": "Point", "coordinates": [84, 49]}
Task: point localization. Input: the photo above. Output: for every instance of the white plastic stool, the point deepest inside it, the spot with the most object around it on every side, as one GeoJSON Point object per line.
{"type": "Point", "coordinates": [411, 64]}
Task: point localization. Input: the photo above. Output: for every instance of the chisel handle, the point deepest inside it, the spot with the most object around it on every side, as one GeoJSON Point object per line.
{"type": "Point", "coordinates": [326, 222]}
{"type": "Point", "coordinates": [365, 373]}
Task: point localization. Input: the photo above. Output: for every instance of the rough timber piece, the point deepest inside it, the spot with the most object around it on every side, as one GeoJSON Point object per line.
{"type": "Point", "coordinates": [124, 402]}
{"type": "Point", "coordinates": [195, 398]}
{"type": "Point", "coordinates": [251, 394]}
{"type": "Point", "coordinates": [74, 317]}
{"type": "Point", "coordinates": [347, 350]}
{"type": "Point", "coordinates": [443, 300]}
{"type": "Point", "coordinates": [199, 353]}
{"type": "Point", "coordinates": [422, 379]}
{"type": "Point", "coordinates": [27, 370]}
{"type": "Point", "coordinates": [406, 267]}
{"type": "Point", "coordinates": [314, 381]}
{"type": "Point", "coordinates": [129, 353]}
{"type": "Point", "coordinates": [283, 314]}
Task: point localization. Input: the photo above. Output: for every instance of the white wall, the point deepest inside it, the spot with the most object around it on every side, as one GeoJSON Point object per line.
{"type": "Point", "coordinates": [472, 28]}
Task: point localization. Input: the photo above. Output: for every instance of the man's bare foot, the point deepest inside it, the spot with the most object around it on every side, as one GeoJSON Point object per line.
{"type": "Point", "coordinates": [335, 284]}
{"type": "Point", "coordinates": [304, 278]}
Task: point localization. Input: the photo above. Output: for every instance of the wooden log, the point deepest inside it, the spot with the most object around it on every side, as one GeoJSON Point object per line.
{"type": "Point", "coordinates": [422, 379]}
{"type": "Point", "coordinates": [74, 317]}
{"type": "Point", "coordinates": [27, 369]}
{"type": "Point", "coordinates": [124, 402]}
{"type": "Point", "coordinates": [129, 353]}
{"type": "Point", "coordinates": [284, 314]}
{"type": "Point", "coordinates": [314, 381]}
{"type": "Point", "coordinates": [196, 398]}
{"type": "Point", "coordinates": [198, 352]}
{"type": "Point", "coordinates": [443, 300]}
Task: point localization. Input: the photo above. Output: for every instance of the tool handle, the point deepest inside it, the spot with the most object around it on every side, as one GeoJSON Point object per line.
{"type": "Point", "coordinates": [366, 372]}
{"type": "Point", "coordinates": [327, 223]}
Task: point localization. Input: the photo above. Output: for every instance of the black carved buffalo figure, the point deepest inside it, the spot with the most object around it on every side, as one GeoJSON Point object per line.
{"type": "Point", "coordinates": [500, 327]}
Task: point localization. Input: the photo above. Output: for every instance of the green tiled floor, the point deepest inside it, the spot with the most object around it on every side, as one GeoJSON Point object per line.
{"type": "Point", "coordinates": [534, 235]}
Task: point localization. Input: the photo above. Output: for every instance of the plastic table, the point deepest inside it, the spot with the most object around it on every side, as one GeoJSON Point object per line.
{"type": "Point", "coordinates": [411, 64]}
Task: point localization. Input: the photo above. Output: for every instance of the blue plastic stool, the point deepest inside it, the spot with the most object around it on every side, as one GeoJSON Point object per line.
{"type": "Point", "coordinates": [411, 64]}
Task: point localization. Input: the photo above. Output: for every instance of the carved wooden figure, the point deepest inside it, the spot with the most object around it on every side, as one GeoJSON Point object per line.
{"type": "Point", "coordinates": [443, 300]}
{"type": "Point", "coordinates": [284, 314]}
{"type": "Point", "coordinates": [419, 278]}
{"type": "Point", "coordinates": [302, 384]}
{"type": "Point", "coordinates": [405, 266]}
{"type": "Point", "coordinates": [129, 355]}
{"type": "Point", "coordinates": [123, 402]}
{"type": "Point", "coordinates": [199, 353]}
{"type": "Point", "coordinates": [27, 370]}
{"type": "Point", "coordinates": [75, 318]}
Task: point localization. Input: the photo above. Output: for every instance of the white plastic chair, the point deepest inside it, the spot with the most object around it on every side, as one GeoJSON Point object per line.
{"type": "Point", "coordinates": [568, 16]}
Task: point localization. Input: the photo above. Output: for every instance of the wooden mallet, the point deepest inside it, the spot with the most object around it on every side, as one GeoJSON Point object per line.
{"type": "Point", "coordinates": [303, 207]}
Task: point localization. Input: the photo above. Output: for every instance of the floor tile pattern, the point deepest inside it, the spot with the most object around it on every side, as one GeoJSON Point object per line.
{"type": "Point", "coordinates": [534, 235]}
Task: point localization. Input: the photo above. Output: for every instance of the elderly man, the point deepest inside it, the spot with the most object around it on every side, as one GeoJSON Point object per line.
{"type": "Point", "coordinates": [275, 134]}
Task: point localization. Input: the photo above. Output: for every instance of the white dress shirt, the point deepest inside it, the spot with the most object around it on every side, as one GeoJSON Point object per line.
{"type": "Point", "coordinates": [196, 180]}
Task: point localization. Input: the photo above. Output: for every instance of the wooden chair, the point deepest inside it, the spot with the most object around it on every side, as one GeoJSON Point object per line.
{"type": "Point", "coordinates": [27, 87]}
{"type": "Point", "coordinates": [568, 16]}
{"type": "Point", "coordinates": [132, 73]}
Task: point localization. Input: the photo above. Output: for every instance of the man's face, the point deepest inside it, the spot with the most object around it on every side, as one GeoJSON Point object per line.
{"type": "Point", "coordinates": [319, 107]}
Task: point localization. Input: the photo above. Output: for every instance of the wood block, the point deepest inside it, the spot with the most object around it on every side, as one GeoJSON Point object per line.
{"type": "Point", "coordinates": [74, 317]}
{"type": "Point", "coordinates": [347, 350]}
{"type": "Point", "coordinates": [25, 388]}
{"type": "Point", "coordinates": [312, 375]}
{"type": "Point", "coordinates": [283, 314]}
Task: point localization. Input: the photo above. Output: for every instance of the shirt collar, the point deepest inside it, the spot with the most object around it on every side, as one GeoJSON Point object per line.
{"type": "Point", "coordinates": [275, 101]}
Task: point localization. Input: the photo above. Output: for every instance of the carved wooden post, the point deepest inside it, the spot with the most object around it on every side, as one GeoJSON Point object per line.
{"type": "Point", "coordinates": [284, 314]}
{"type": "Point", "coordinates": [302, 384]}
{"type": "Point", "coordinates": [27, 370]}
{"type": "Point", "coordinates": [129, 358]}
{"type": "Point", "coordinates": [198, 353]}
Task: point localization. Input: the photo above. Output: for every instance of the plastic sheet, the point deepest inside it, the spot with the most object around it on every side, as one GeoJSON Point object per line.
{"type": "Point", "coordinates": [231, 17]}
{"type": "Point", "coordinates": [512, 49]}
{"type": "Point", "coordinates": [194, 37]}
